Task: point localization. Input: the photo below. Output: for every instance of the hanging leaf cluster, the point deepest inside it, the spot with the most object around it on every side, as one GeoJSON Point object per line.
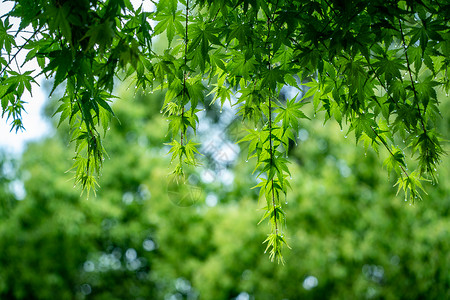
{"type": "Point", "coordinates": [378, 68]}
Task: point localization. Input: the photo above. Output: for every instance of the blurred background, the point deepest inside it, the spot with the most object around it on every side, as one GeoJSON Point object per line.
{"type": "Point", "coordinates": [142, 237]}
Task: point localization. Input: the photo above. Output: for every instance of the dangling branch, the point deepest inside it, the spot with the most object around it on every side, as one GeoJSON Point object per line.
{"type": "Point", "coordinates": [186, 40]}
{"type": "Point", "coordinates": [271, 160]}
{"type": "Point", "coordinates": [270, 127]}
{"type": "Point", "coordinates": [276, 246]}
{"type": "Point", "coordinates": [431, 156]}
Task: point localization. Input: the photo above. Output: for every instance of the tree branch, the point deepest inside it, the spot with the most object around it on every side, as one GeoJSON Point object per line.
{"type": "Point", "coordinates": [416, 98]}
{"type": "Point", "coordinates": [186, 40]}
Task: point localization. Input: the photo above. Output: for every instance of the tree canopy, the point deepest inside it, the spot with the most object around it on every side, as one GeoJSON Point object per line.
{"type": "Point", "coordinates": [378, 68]}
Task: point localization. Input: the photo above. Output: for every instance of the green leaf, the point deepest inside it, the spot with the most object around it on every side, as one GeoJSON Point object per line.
{"type": "Point", "coordinates": [59, 20]}
{"type": "Point", "coordinates": [289, 79]}
{"type": "Point", "coordinates": [291, 114]}
{"type": "Point", "coordinates": [390, 68]}
{"type": "Point", "coordinates": [425, 90]}
{"type": "Point", "coordinates": [6, 40]}
{"type": "Point", "coordinates": [61, 61]}
{"type": "Point", "coordinates": [105, 105]}
{"type": "Point", "coordinates": [395, 161]}
{"type": "Point", "coordinates": [64, 109]}
{"type": "Point", "coordinates": [100, 34]}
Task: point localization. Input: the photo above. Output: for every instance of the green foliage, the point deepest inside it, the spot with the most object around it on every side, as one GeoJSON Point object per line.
{"type": "Point", "coordinates": [350, 236]}
{"type": "Point", "coordinates": [378, 67]}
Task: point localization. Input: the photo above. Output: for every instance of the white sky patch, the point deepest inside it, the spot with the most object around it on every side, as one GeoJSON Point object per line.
{"type": "Point", "coordinates": [147, 6]}
{"type": "Point", "coordinates": [226, 177]}
{"type": "Point", "coordinates": [211, 200]}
